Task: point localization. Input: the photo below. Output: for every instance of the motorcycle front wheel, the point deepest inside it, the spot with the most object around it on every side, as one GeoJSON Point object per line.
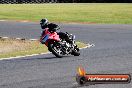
{"type": "Point", "coordinates": [55, 49]}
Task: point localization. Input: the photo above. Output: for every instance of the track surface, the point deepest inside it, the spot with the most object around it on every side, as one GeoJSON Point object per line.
{"type": "Point", "coordinates": [112, 54]}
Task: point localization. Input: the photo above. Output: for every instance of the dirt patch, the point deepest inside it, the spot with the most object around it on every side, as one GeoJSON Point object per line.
{"type": "Point", "coordinates": [10, 45]}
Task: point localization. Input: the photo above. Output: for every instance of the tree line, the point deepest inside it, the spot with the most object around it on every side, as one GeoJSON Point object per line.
{"type": "Point", "coordinates": [65, 1]}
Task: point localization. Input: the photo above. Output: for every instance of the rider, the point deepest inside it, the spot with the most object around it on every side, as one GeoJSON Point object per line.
{"type": "Point", "coordinates": [52, 28]}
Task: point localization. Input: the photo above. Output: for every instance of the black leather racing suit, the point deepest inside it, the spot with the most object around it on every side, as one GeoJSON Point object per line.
{"type": "Point", "coordinates": [53, 27]}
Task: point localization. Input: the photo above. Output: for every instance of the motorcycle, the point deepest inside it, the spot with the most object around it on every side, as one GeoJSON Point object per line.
{"type": "Point", "coordinates": [59, 46]}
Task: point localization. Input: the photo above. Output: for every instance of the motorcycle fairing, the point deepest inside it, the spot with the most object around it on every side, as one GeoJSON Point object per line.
{"type": "Point", "coordinates": [49, 36]}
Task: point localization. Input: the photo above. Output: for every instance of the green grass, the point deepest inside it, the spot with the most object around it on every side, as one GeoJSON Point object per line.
{"type": "Point", "coordinates": [85, 13]}
{"type": "Point", "coordinates": [13, 48]}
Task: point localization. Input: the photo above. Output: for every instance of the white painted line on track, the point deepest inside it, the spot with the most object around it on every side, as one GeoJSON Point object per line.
{"type": "Point", "coordinates": [88, 46]}
{"type": "Point", "coordinates": [23, 56]}
{"type": "Point", "coordinates": [24, 21]}
{"type": "Point", "coordinates": [75, 83]}
{"type": "Point", "coordinates": [33, 39]}
{"type": "Point", "coordinates": [5, 37]}
{"type": "Point", "coordinates": [18, 38]}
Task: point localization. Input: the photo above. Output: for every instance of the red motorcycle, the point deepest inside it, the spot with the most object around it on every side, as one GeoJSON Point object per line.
{"type": "Point", "coordinates": [60, 46]}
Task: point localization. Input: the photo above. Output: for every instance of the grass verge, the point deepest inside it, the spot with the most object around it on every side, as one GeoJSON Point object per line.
{"type": "Point", "coordinates": [83, 13]}
{"type": "Point", "coordinates": [12, 47]}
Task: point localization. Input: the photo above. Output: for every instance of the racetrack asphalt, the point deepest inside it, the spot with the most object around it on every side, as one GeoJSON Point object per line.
{"type": "Point", "coordinates": [112, 54]}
